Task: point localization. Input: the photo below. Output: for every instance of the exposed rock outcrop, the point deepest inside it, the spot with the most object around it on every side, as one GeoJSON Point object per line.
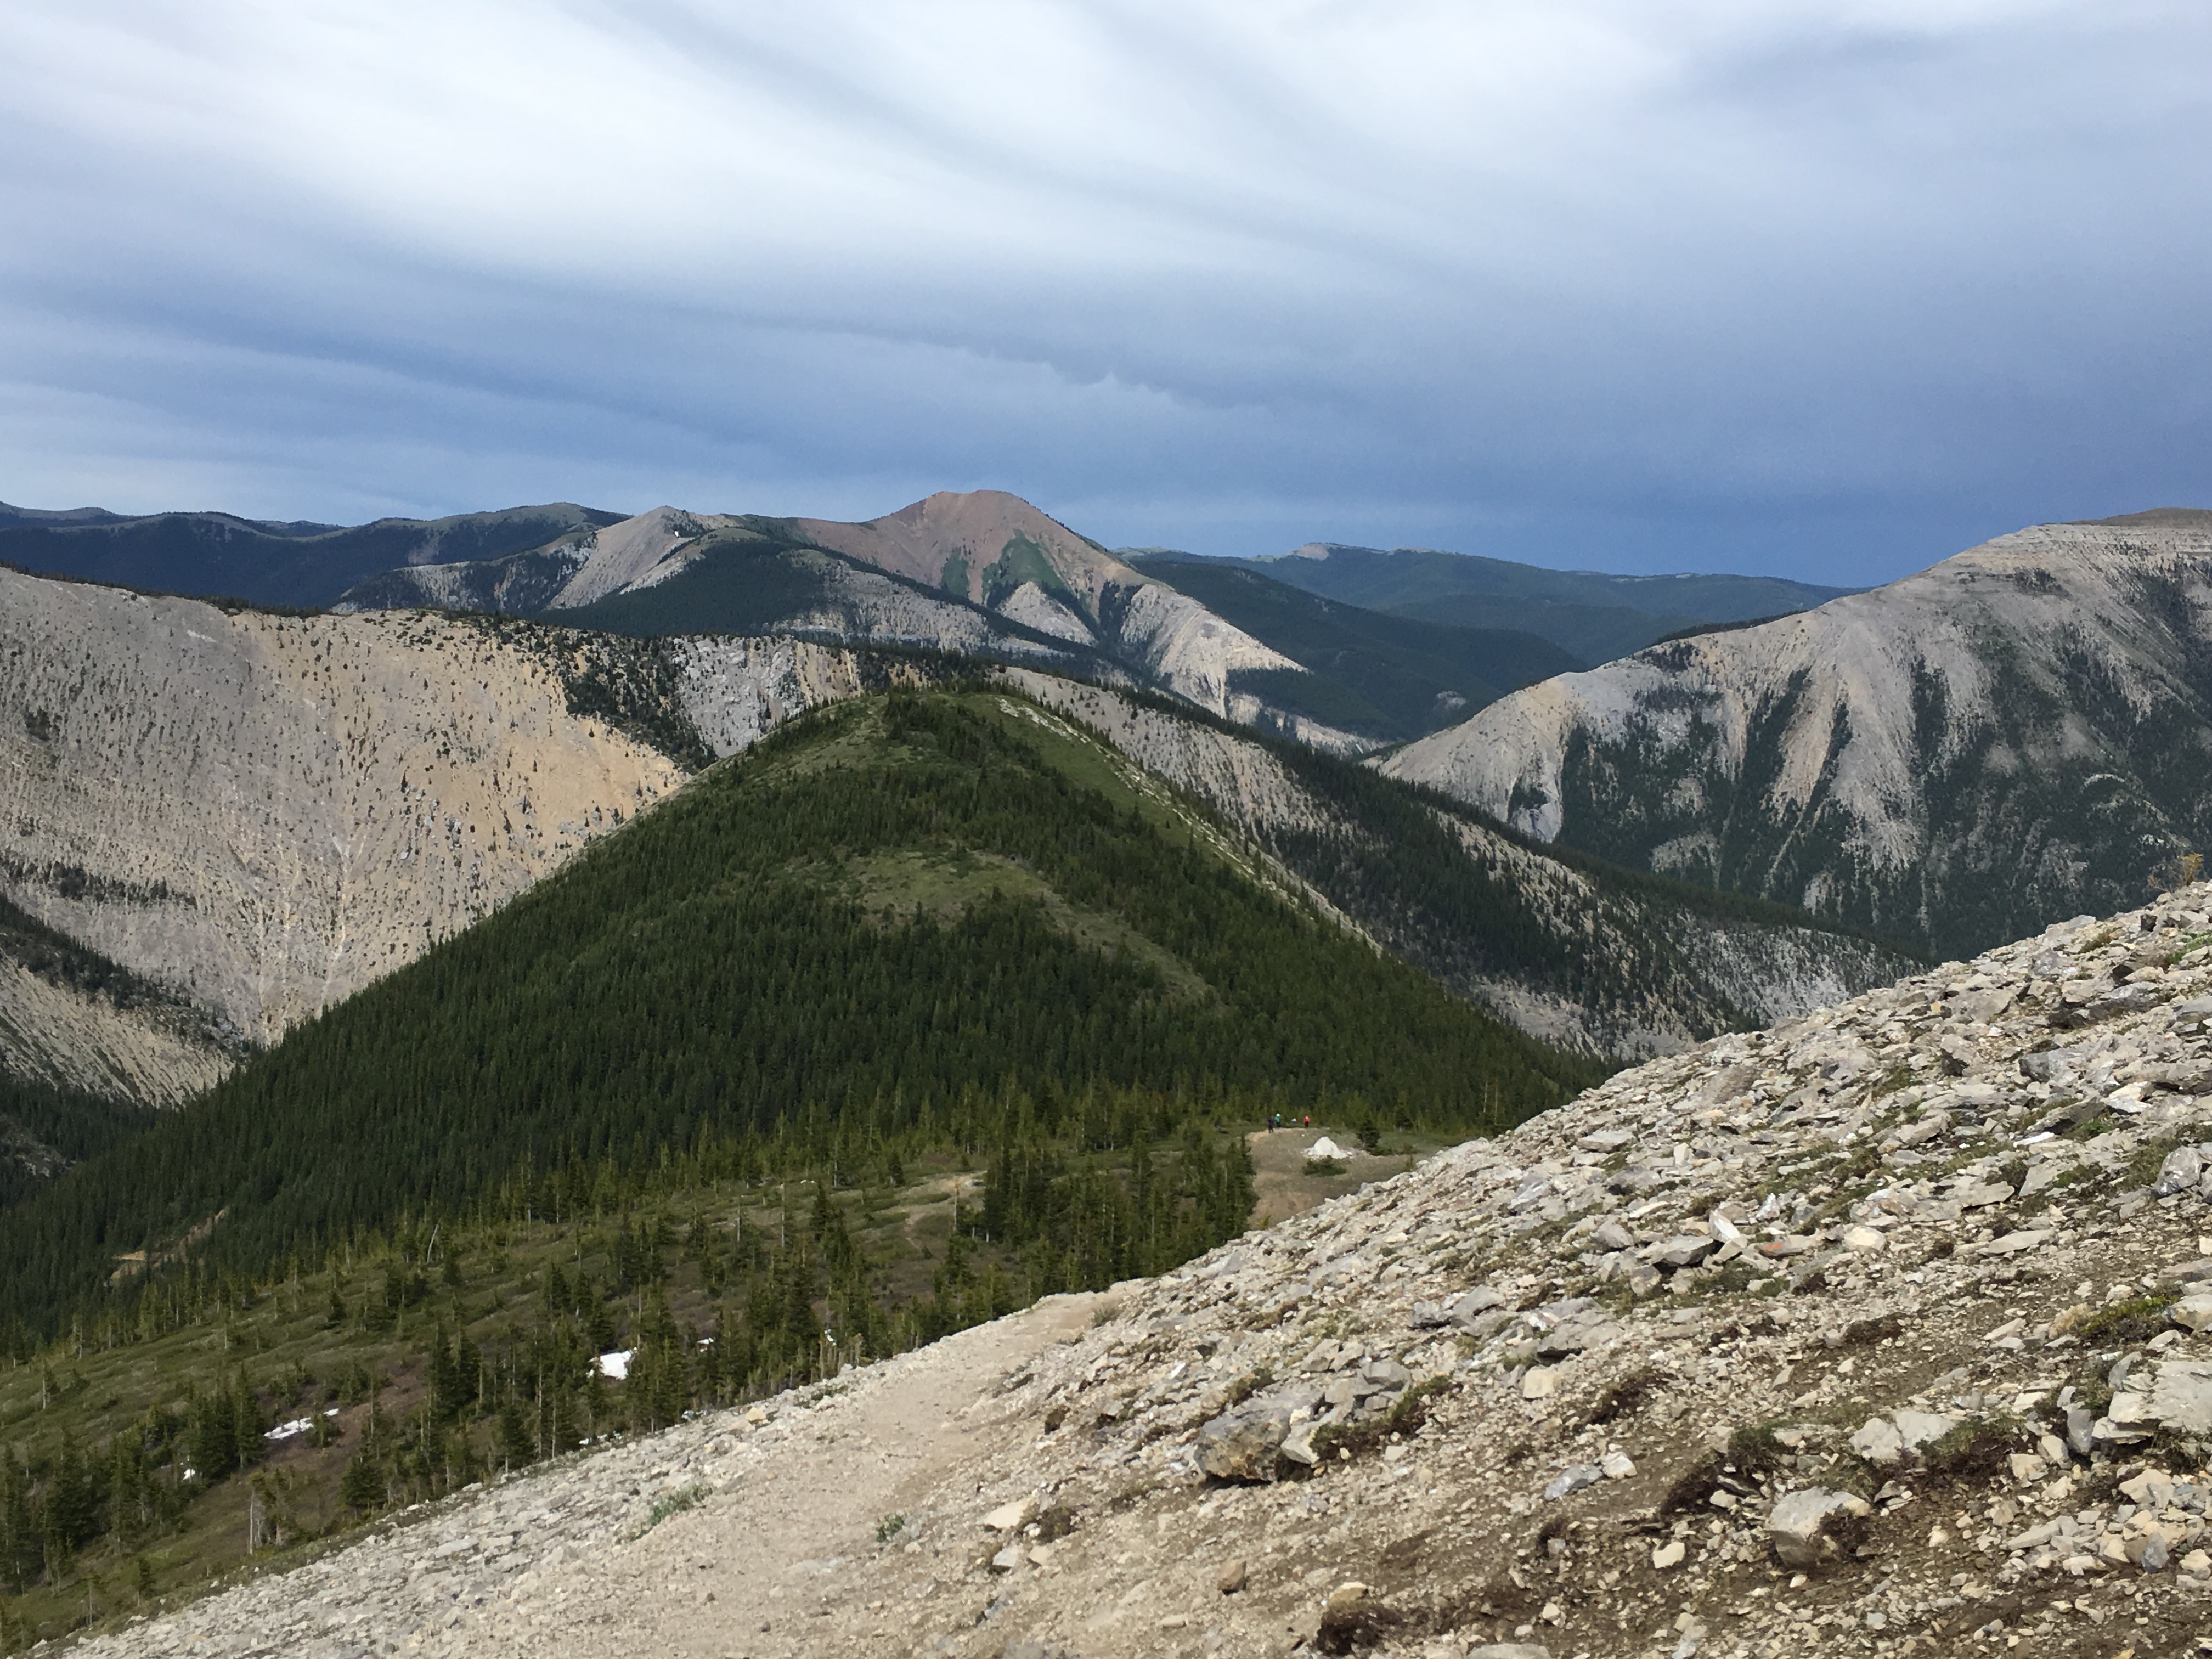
{"type": "Point", "coordinates": [260, 814]}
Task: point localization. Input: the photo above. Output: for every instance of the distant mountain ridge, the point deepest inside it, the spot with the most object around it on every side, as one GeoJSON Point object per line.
{"type": "Point", "coordinates": [1388, 677]}
{"type": "Point", "coordinates": [266, 563]}
{"type": "Point", "coordinates": [984, 572]}
{"type": "Point", "coordinates": [2018, 734]}
{"type": "Point", "coordinates": [1592, 615]}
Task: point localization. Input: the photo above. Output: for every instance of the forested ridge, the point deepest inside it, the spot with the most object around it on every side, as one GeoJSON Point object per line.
{"type": "Point", "coordinates": [708, 978]}
{"type": "Point", "coordinates": [916, 1012]}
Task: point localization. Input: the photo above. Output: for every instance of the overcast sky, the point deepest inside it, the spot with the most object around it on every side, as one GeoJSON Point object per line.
{"type": "Point", "coordinates": [1828, 289]}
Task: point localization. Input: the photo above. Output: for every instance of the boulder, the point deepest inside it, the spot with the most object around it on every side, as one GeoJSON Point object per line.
{"type": "Point", "coordinates": [1592, 1327]}
{"type": "Point", "coordinates": [1387, 1376]}
{"type": "Point", "coordinates": [1921, 1129]}
{"type": "Point", "coordinates": [1979, 1194]}
{"type": "Point", "coordinates": [1462, 1313]}
{"type": "Point", "coordinates": [1244, 1444]}
{"type": "Point", "coordinates": [2182, 1396]}
{"type": "Point", "coordinates": [2193, 1313]}
{"type": "Point", "coordinates": [1612, 1235]}
{"type": "Point", "coordinates": [2183, 1168]}
{"type": "Point", "coordinates": [1799, 1524]}
{"type": "Point", "coordinates": [1687, 1250]}
{"type": "Point", "coordinates": [1919, 1429]}
{"type": "Point", "coordinates": [1880, 1444]}
{"type": "Point", "coordinates": [1572, 1479]}
{"type": "Point", "coordinates": [1510, 1650]}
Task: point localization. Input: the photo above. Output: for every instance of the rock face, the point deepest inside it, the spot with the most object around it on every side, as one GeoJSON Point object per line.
{"type": "Point", "coordinates": [260, 814]}
{"type": "Point", "coordinates": [1682, 1483]}
{"type": "Point", "coordinates": [70, 1018]}
{"type": "Point", "coordinates": [996, 551]}
{"type": "Point", "coordinates": [2017, 734]}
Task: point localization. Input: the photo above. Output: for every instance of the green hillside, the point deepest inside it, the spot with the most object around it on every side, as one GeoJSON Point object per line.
{"type": "Point", "coordinates": [1386, 677]}
{"type": "Point", "coordinates": [884, 914]}
{"type": "Point", "coordinates": [923, 1007]}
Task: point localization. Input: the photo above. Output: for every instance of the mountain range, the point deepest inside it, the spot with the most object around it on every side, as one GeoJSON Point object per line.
{"type": "Point", "coordinates": [251, 815]}
{"type": "Point", "coordinates": [728, 947]}
{"type": "Point", "coordinates": [980, 573]}
{"type": "Point", "coordinates": [1593, 616]}
{"type": "Point", "coordinates": [2015, 735]}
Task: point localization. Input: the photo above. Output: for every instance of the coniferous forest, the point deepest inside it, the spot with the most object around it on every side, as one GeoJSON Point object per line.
{"type": "Point", "coordinates": [921, 1009]}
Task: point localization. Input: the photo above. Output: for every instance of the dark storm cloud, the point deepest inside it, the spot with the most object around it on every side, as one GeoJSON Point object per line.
{"type": "Point", "coordinates": [1837, 288]}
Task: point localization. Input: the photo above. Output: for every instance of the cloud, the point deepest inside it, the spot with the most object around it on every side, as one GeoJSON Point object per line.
{"type": "Point", "coordinates": [1836, 287]}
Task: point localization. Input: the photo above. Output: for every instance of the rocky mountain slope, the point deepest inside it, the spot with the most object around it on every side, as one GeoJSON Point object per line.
{"type": "Point", "coordinates": [255, 815]}
{"type": "Point", "coordinates": [983, 573]}
{"type": "Point", "coordinates": [260, 813]}
{"type": "Point", "coordinates": [1573, 952]}
{"type": "Point", "coordinates": [266, 563]}
{"type": "Point", "coordinates": [1875, 1332]}
{"type": "Point", "coordinates": [2016, 734]}
{"type": "Point", "coordinates": [71, 1019]}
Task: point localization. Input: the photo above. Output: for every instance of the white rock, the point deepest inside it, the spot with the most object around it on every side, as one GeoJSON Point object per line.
{"type": "Point", "coordinates": [2181, 1398]}
{"type": "Point", "coordinates": [1795, 1524]}
{"type": "Point", "coordinates": [1916, 1430]}
{"type": "Point", "coordinates": [1879, 1443]}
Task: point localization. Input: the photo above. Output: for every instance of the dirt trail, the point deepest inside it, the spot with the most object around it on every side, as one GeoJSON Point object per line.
{"type": "Point", "coordinates": [780, 1562]}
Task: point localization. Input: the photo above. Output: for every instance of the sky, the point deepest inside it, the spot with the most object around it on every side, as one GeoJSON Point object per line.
{"type": "Point", "coordinates": [1829, 290]}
